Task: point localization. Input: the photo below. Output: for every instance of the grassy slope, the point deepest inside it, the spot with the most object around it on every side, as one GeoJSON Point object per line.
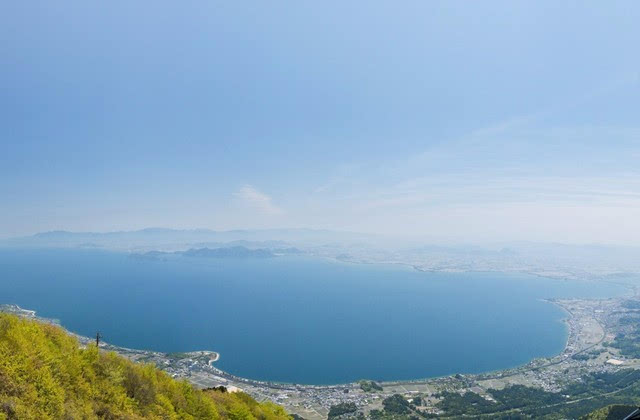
{"type": "Point", "coordinates": [44, 374]}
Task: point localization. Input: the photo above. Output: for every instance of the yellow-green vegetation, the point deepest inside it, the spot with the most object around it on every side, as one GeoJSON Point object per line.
{"type": "Point", "coordinates": [44, 374]}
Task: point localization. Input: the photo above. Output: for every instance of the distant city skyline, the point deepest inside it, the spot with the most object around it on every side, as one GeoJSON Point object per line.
{"type": "Point", "coordinates": [471, 122]}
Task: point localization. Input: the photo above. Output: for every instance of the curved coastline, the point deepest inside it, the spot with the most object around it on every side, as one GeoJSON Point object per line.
{"type": "Point", "coordinates": [583, 318]}
{"type": "Point", "coordinates": [213, 356]}
{"type": "Point", "coordinates": [518, 365]}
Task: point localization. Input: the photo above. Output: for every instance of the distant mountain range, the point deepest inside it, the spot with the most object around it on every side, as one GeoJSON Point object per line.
{"type": "Point", "coordinates": [175, 239]}
{"type": "Point", "coordinates": [547, 259]}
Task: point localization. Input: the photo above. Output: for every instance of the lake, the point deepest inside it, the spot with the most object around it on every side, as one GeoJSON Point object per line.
{"type": "Point", "coordinates": [299, 319]}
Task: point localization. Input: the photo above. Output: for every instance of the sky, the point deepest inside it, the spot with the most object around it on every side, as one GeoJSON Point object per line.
{"type": "Point", "coordinates": [465, 121]}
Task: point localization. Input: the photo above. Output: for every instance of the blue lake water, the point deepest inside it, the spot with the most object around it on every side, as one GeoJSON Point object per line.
{"type": "Point", "coordinates": [298, 319]}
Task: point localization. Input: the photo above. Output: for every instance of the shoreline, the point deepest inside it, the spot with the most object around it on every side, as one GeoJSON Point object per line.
{"type": "Point", "coordinates": [588, 321]}
{"type": "Point", "coordinates": [594, 277]}
{"type": "Point", "coordinates": [215, 356]}
{"type": "Point", "coordinates": [631, 292]}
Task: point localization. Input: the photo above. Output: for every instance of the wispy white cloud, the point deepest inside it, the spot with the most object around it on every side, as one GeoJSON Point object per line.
{"type": "Point", "coordinates": [461, 190]}
{"type": "Point", "coordinates": [515, 180]}
{"type": "Point", "coordinates": [558, 174]}
{"type": "Point", "coordinates": [257, 200]}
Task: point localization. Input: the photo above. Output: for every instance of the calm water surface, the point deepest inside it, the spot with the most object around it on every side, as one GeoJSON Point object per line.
{"type": "Point", "coordinates": [297, 319]}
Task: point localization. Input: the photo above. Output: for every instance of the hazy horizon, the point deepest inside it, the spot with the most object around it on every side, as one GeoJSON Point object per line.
{"type": "Point", "coordinates": [481, 122]}
{"type": "Point", "coordinates": [338, 237]}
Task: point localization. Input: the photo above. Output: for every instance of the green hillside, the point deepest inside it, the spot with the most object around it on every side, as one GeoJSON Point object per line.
{"type": "Point", "coordinates": [611, 412]}
{"type": "Point", "coordinates": [44, 374]}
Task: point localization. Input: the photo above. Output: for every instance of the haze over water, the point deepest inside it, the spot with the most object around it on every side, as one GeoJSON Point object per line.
{"type": "Point", "coordinates": [298, 319]}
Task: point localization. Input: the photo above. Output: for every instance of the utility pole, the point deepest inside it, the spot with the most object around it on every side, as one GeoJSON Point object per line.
{"type": "Point", "coordinates": [98, 337]}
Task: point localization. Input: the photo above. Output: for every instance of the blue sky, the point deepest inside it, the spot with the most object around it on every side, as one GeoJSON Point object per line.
{"type": "Point", "coordinates": [472, 121]}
